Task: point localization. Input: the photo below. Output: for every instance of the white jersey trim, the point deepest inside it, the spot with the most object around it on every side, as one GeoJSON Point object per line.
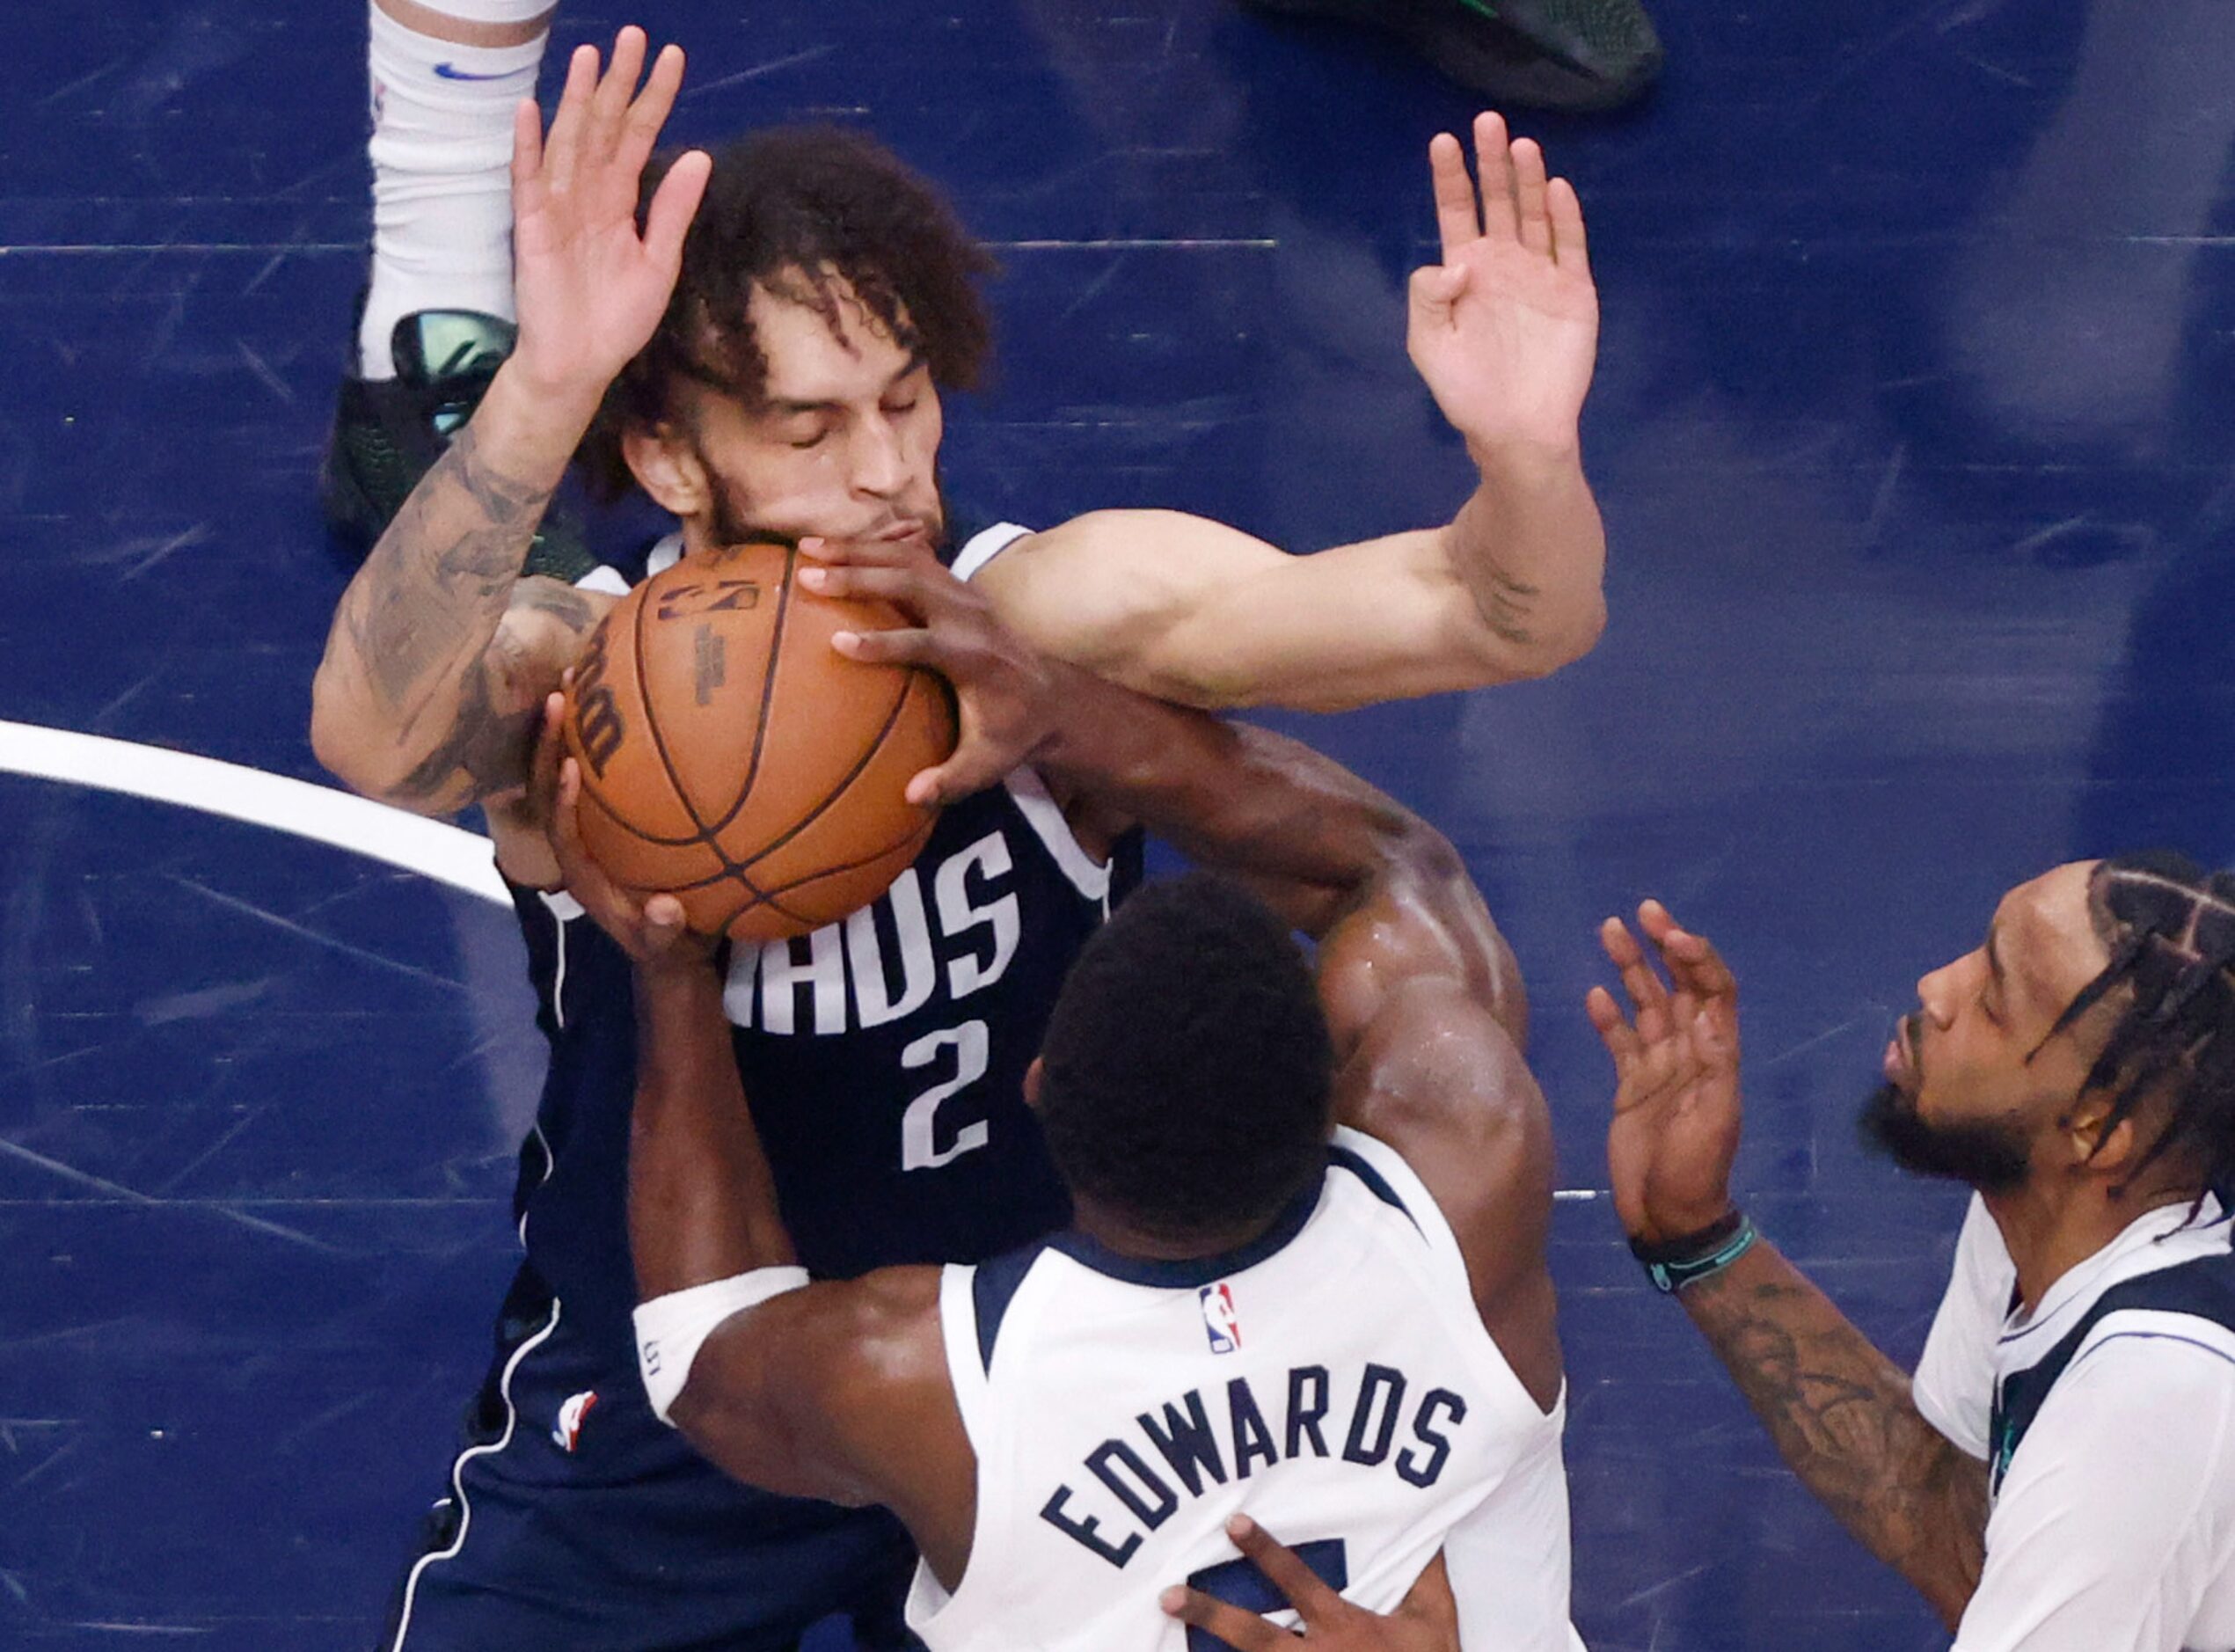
{"type": "Point", "coordinates": [1089, 876]}
{"type": "Point", "coordinates": [979, 549]}
{"type": "Point", "coordinates": [1419, 1203]}
{"type": "Point", "coordinates": [987, 543]}
{"type": "Point", "coordinates": [2157, 1323]}
{"type": "Point", "coordinates": [458, 1476]}
{"type": "Point", "coordinates": [958, 1313]}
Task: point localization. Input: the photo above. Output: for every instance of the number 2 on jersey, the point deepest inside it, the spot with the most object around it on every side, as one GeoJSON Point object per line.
{"type": "Point", "coordinates": [919, 1145]}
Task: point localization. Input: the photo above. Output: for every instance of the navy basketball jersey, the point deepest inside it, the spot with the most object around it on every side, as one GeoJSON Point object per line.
{"type": "Point", "coordinates": [883, 1056]}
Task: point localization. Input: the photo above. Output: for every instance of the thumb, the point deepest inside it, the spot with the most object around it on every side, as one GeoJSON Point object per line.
{"type": "Point", "coordinates": [1436, 288]}
{"type": "Point", "coordinates": [663, 922]}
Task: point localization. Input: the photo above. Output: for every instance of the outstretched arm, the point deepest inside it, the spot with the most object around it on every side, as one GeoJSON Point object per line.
{"type": "Point", "coordinates": [1504, 331]}
{"type": "Point", "coordinates": [440, 653]}
{"type": "Point", "coordinates": [1842, 1414]}
{"type": "Point", "coordinates": [1423, 995]}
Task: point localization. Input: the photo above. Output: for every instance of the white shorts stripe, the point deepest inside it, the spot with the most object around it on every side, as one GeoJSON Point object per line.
{"type": "Point", "coordinates": [458, 1476]}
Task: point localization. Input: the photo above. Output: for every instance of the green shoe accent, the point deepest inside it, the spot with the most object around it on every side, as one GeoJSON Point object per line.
{"type": "Point", "coordinates": [388, 433]}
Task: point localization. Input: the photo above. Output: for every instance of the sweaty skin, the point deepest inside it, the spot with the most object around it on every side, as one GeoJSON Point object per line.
{"type": "Point", "coordinates": [440, 651]}
{"type": "Point", "coordinates": [840, 1390]}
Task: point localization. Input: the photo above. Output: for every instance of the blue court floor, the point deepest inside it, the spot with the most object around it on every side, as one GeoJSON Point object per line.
{"type": "Point", "coordinates": [1912, 428]}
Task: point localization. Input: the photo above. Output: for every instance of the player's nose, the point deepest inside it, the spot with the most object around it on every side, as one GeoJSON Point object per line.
{"type": "Point", "coordinates": [879, 461]}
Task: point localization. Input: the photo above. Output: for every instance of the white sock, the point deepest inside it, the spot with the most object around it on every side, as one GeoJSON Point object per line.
{"type": "Point", "coordinates": [441, 155]}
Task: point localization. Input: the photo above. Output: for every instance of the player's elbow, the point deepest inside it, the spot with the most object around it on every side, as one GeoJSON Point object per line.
{"type": "Point", "coordinates": [353, 752]}
{"type": "Point", "coordinates": [1544, 643]}
{"type": "Point", "coordinates": [336, 739]}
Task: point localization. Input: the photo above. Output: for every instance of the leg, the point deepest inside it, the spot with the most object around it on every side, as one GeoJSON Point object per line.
{"type": "Point", "coordinates": [445, 84]}
{"type": "Point", "coordinates": [436, 317]}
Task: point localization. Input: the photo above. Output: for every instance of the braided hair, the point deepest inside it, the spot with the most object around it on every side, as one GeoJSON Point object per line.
{"type": "Point", "coordinates": [2170, 926]}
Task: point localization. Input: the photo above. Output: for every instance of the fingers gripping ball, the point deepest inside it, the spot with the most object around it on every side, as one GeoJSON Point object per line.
{"type": "Point", "coordinates": [732, 758]}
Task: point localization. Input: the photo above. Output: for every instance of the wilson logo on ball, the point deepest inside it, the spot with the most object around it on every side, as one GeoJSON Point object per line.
{"type": "Point", "coordinates": [597, 713]}
{"type": "Point", "coordinates": [732, 758]}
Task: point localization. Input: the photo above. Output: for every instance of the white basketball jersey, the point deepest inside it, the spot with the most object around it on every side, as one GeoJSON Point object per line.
{"type": "Point", "coordinates": [1332, 1378]}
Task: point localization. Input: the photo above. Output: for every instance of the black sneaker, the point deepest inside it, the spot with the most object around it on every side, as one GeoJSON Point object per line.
{"type": "Point", "coordinates": [389, 432]}
{"type": "Point", "coordinates": [1572, 55]}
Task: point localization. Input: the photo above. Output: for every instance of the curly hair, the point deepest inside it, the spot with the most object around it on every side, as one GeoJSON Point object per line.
{"type": "Point", "coordinates": [1187, 1077]}
{"type": "Point", "coordinates": [812, 214]}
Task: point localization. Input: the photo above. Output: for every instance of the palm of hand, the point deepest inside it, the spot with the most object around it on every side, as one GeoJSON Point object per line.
{"type": "Point", "coordinates": [591, 285]}
{"type": "Point", "coordinates": [1677, 1114]}
{"type": "Point", "coordinates": [1674, 1133]}
{"type": "Point", "coordinates": [1510, 358]}
{"type": "Point", "coordinates": [584, 273]}
{"type": "Point", "coordinates": [1504, 331]}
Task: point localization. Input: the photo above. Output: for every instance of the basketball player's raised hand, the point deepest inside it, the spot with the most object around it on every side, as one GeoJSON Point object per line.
{"type": "Point", "coordinates": [1426, 1620]}
{"type": "Point", "coordinates": [590, 287]}
{"type": "Point", "coordinates": [1676, 1125]}
{"type": "Point", "coordinates": [1001, 687]}
{"type": "Point", "coordinates": [1505, 330]}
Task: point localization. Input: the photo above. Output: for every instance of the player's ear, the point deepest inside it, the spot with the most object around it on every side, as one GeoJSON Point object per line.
{"type": "Point", "coordinates": [2090, 1141]}
{"type": "Point", "coordinates": [666, 467]}
{"type": "Point", "coordinates": [1034, 1074]}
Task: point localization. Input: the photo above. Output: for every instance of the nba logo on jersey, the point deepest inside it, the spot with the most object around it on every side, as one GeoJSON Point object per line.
{"type": "Point", "coordinates": [568, 1433]}
{"type": "Point", "coordinates": [1221, 1323]}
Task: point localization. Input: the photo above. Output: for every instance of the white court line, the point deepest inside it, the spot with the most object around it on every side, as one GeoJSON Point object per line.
{"type": "Point", "coordinates": [462, 859]}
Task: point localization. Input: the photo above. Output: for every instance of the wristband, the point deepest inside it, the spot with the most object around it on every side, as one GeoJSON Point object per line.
{"type": "Point", "coordinates": [670, 1329]}
{"type": "Point", "coordinates": [1674, 1263]}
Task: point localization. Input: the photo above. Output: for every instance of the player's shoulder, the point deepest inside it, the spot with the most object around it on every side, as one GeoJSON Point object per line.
{"type": "Point", "coordinates": [2161, 1363]}
{"type": "Point", "coordinates": [1438, 1072]}
{"type": "Point", "coordinates": [881, 1329]}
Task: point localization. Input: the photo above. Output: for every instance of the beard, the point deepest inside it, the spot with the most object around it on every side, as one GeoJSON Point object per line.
{"type": "Point", "coordinates": [733, 525]}
{"type": "Point", "coordinates": [1989, 1155]}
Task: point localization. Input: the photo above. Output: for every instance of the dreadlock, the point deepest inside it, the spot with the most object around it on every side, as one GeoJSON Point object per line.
{"type": "Point", "coordinates": [2170, 926]}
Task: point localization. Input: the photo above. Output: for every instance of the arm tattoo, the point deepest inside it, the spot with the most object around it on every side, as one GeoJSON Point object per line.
{"type": "Point", "coordinates": [1508, 606]}
{"type": "Point", "coordinates": [562, 602]}
{"type": "Point", "coordinates": [426, 607]}
{"type": "Point", "coordinates": [1843, 1419]}
{"type": "Point", "coordinates": [490, 751]}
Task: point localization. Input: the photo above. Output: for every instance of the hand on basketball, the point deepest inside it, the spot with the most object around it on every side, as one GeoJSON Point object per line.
{"type": "Point", "coordinates": [652, 932]}
{"type": "Point", "coordinates": [1676, 1116]}
{"type": "Point", "coordinates": [1427, 1620]}
{"type": "Point", "coordinates": [590, 287]}
{"type": "Point", "coordinates": [1001, 687]}
{"type": "Point", "coordinates": [1505, 330]}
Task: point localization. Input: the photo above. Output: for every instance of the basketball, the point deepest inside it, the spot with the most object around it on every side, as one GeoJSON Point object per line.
{"type": "Point", "coordinates": [732, 758]}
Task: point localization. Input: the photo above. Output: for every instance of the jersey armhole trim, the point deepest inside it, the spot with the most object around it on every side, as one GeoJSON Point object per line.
{"type": "Point", "coordinates": [985, 544]}
{"type": "Point", "coordinates": [959, 1330]}
{"type": "Point", "coordinates": [1089, 876]}
{"type": "Point", "coordinates": [1375, 1183]}
{"type": "Point", "coordinates": [1359, 1153]}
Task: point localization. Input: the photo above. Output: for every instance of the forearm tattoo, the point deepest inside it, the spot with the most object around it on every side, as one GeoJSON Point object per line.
{"type": "Point", "coordinates": [1843, 1419]}
{"type": "Point", "coordinates": [420, 619]}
